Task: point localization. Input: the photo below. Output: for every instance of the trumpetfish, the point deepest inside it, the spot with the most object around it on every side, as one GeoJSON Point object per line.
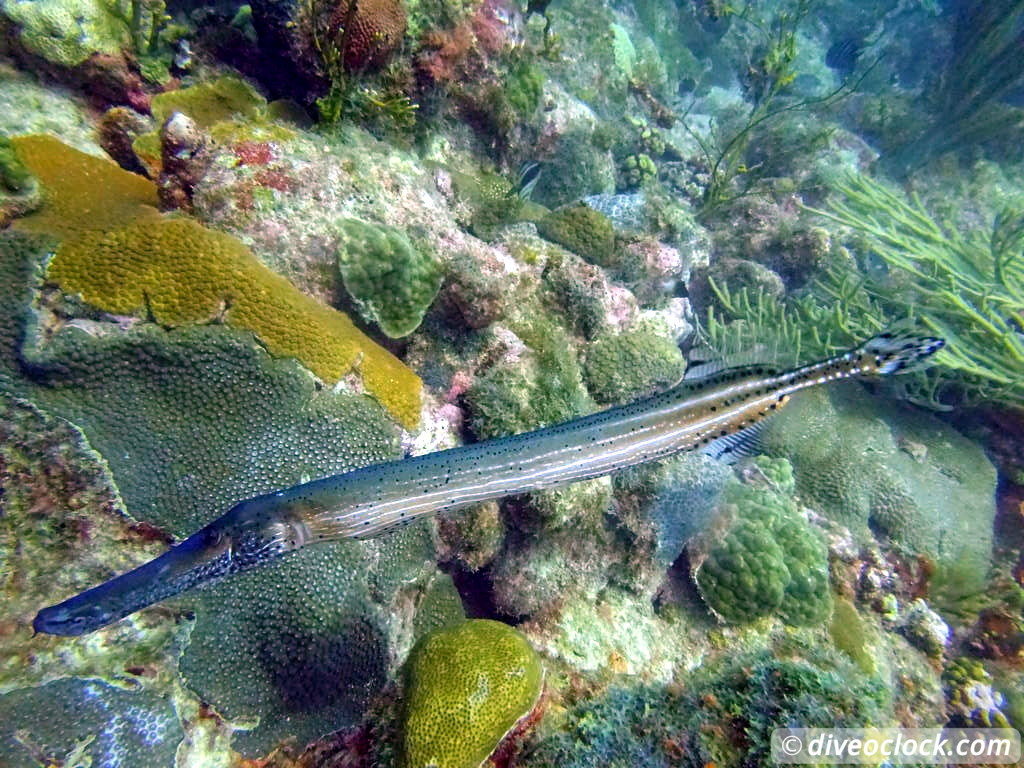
{"type": "Point", "coordinates": [718, 414]}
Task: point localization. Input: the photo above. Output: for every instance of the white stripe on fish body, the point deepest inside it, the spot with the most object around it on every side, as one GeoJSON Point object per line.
{"type": "Point", "coordinates": [710, 414]}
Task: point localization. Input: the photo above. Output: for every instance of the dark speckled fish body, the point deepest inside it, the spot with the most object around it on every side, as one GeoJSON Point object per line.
{"type": "Point", "coordinates": [711, 414]}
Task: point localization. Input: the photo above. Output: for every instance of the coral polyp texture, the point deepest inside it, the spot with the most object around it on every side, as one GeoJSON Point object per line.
{"type": "Point", "coordinates": [123, 257]}
{"type": "Point", "coordinates": [769, 561]}
{"type": "Point", "coordinates": [392, 281]}
{"type": "Point", "coordinates": [466, 687]}
{"type": "Point", "coordinates": [370, 31]}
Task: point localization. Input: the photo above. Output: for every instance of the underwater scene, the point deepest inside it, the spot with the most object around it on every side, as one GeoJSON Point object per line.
{"type": "Point", "coordinates": [507, 383]}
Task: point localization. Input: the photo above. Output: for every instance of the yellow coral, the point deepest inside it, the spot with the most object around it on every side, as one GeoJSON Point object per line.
{"type": "Point", "coordinates": [122, 256]}
{"type": "Point", "coordinates": [467, 688]}
{"type": "Point", "coordinates": [82, 192]}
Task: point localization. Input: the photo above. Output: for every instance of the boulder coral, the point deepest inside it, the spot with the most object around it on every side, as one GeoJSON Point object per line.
{"type": "Point", "coordinates": [883, 467]}
{"type": "Point", "coordinates": [392, 281]}
{"type": "Point", "coordinates": [369, 32]}
{"type": "Point", "coordinates": [769, 561]}
{"type": "Point", "coordinates": [467, 686]}
{"type": "Point", "coordinates": [123, 257]}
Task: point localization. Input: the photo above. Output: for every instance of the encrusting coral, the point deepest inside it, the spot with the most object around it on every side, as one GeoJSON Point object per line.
{"type": "Point", "coordinates": [631, 365]}
{"type": "Point", "coordinates": [190, 421]}
{"type": "Point", "coordinates": [466, 687]}
{"type": "Point", "coordinates": [123, 257]}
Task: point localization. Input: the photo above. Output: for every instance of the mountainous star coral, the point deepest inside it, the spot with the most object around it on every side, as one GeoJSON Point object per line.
{"type": "Point", "coordinates": [123, 257]}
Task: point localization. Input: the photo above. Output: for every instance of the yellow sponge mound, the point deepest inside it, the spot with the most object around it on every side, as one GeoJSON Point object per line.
{"type": "Point", "coordinates": [123, 256]}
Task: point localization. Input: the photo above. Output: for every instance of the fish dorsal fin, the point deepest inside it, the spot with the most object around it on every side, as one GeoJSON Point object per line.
{"type": "Point", "coordinates": [705, 363]}
{"type": "Point", "coordinates": [738, 445]}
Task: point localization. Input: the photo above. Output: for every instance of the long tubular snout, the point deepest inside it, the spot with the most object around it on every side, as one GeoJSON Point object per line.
{"type": "Point", "coordinates": [201, 557]}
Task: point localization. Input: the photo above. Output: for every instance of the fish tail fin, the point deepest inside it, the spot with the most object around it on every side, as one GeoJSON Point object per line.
{"type": "Point", "coordinates": [896, 352]}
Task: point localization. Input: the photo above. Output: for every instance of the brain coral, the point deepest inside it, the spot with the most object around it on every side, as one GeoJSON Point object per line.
{"type": "Point", "coordinates": [123, 257]}
{"type": "Point", "coordinates": [466, 687]}
{"type": "Point", "coordinates": [875, 465]}
{"type": "Point", "coordinates": [392, 282]}
{"type": "Point", "coordinates": [371, 31]}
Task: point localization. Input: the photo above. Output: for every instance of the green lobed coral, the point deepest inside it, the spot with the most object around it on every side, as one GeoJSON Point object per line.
{"type": "Point", "coordinates": [769, 561]}
{"type": "Point", "coordinates": [67, 32]}
{"type": "Point", "coordinates": [582, 230]}
{"type": "Point", "coordinates": [123, 257]}
{"type": "Point", "coordinates": [631, 365]}
{"type": "Point", "coordinates": [466, 688]}
{"type": "Point", "coordinates": [882, 466]}
{"type": "Point", "coordinates": [392, 281]}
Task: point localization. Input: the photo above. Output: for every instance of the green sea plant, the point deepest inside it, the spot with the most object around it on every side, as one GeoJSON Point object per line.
{"type": "Point", "coordinates": [767, 80]}
{"type": "Point", "coordinates": [966, 286]}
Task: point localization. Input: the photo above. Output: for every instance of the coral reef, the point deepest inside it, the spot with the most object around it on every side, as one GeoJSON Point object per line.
{"type": "Point", "coordinates": [123, 258]}
{"type": "Point", "coordinates": [302, 646]}
{"type": "Point", "coordinates": [972, 701]}
{"type": "Point", "coordinates": [392, 282]}
{"type": "Point", "coordinates": [725, 715]}
{"type": "Point", "coordinates": [192, 421]}
{"type": "Point", "coordinates": [543, 387]}
{"type": "Point", "coordinates": [769, 561]}
{"type": "Point", "coordinates": [368, 32]}
{"type": "Point", "coordinates": [466, 688]}
{"type": "Point", "coordinates": [67, 33]}
{"type": "Point", "coordinates": [631, 365]}
{"type": "Point", "coordinates": [903, 474]}
{"type": "Point", "coordinates": [583, 231]}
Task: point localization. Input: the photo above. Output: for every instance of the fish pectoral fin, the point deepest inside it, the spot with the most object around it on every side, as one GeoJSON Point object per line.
{"type": "Point", "coordinates": [738, 445]}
